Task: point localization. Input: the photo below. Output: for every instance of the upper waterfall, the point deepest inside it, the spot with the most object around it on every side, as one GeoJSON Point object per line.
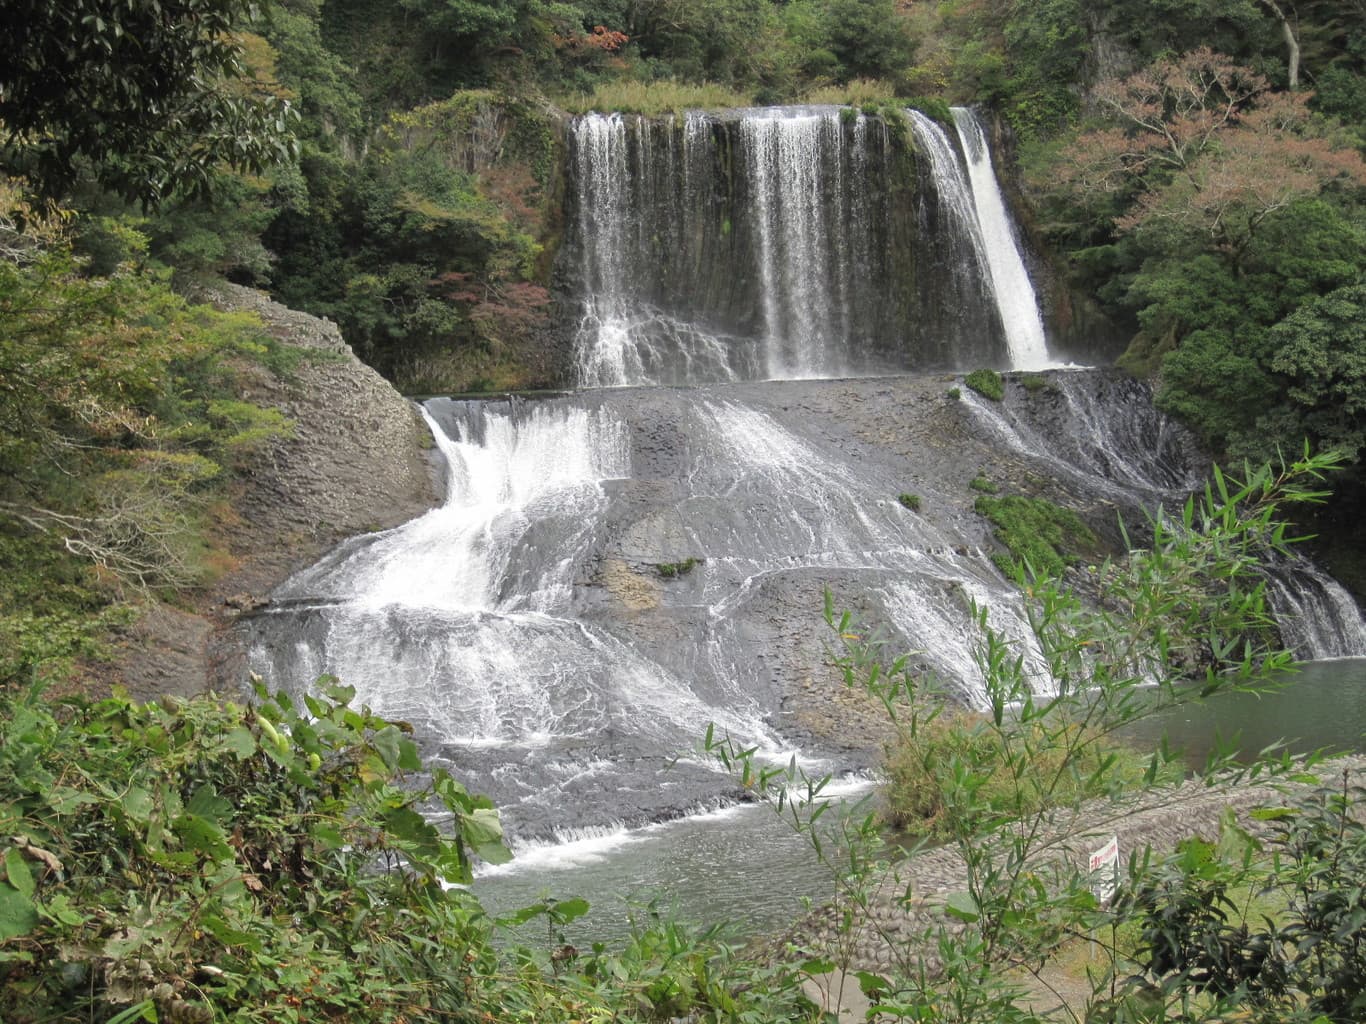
{"type": "Point", "coordinates": [1010, 283]}
{"type": "Point", "coordinates": [782, 242]}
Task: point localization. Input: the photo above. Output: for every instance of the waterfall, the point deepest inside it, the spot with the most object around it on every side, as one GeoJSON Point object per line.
{"type": "Point", "coordinates": [1011, 287]}
{"type": "Point", "coordinates": [1098, 433]}
{"type": "Point", "coordinates": [775, 243]}
{"type": "Point", "coordinates": [615, 569]}
{"type": "Point", "coordinates": [1317, 617]}
{"type": "Point", "coordinates": [624, 335]}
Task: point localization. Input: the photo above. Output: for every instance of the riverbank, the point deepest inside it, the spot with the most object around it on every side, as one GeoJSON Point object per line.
{"type": "Point", "coordinates": [906, 909]}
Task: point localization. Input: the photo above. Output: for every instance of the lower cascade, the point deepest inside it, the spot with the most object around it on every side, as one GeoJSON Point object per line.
{"type": "Point", "coordinates": [614, 570]}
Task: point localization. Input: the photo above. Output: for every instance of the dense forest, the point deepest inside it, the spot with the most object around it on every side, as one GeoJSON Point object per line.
{"type": "Point", "coordinates": [1193, 169]}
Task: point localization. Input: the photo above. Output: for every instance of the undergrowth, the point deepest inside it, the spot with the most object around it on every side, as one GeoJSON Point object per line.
{"type": "Point", "coordinates": [213, 861]}
{"type": "Point", "coordinates": [916, 804]}
{"type": "Point", "coordinates": [654, 98]}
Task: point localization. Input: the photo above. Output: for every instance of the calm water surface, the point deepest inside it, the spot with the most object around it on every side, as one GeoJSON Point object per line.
{"type": "Point", "coordinates": [746, 866]}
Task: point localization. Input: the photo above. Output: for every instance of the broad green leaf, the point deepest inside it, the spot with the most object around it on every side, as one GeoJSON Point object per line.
{"type": "Point", "coordinates": [962, 906]}
{"type": "Point", "coordinates": [17, 913]}
{"type": "Point", "coordinates": [409, 760]}
{"type": "Point", "coordinates": [202, 836]}
{"type": "Point", "coordinates": [18, 873]}
{"type": "Point", "coordinates": [522, 915]}
{"type": "Point", "coordinates": [565, 911]}
{"type": "Point", "coordinates": [65, 800]}
{"type": "Point", "coordinates": [387, 741]}
{"type": "Point", "coordinates": [493, 853]}
{"type": "Point", "coordinates": [206, 803]}
{"type": "Point", "coordinates": [241, 742]}
{"type": "Point", "coordinates": [137, 804]}
{"type": "Point", "coordinates": [481, 827]}
{"type": "Point", "coordinates": [872, 984]}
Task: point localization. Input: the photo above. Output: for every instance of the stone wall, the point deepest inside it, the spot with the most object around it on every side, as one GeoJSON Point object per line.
{"type": "Point", "coordinates": [907, 907]}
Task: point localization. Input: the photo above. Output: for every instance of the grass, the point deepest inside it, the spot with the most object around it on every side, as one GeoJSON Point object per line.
{"type": "Point", "coordinates": [986, 383]}
{"type": "Point", "coordinates": [654, 98]}
{"type": "Point", "coordinates": [982, 482]}
{"type": "Point", "coordinates": [861, 92]}
{"type": "Point", "coordinates": [673, 570]}
{"type": "Point", "coordinates": [910, 501]}
{"type": "Point", "coordinates": [914, 766]}
{"type": "Point", "coordinates": [1037, 533]}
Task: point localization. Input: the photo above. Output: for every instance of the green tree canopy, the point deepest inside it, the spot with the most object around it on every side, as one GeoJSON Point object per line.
{"type": "Point", "coordinates": [144, 95]}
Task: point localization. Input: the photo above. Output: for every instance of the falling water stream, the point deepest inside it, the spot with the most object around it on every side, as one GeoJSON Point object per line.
{"type": "Point", "coordinates": [614, 569]}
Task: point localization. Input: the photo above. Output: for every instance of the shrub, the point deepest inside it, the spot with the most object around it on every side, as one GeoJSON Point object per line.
{"type": "Point", "coordinates": [1004, 789]}
{"type": "Point", "coordinates": [982, 482]}
{"type": "Point", "coordinates": [910, 501]}
{"type": "Point", "coordinates": [653, 99]}
{"type": "Point", "coordinates": [932, 107]}
{"type": "Point", "coordinates": [986, 383]}
{"type": "Point", "coordinates": [149, 840]}
{"type": "Point", "coordinates": [954, 394]}
{"type": "Point", "coordinates": [672, 570]}
{"type": "Point", "coordinates": [208, 861]}
{"type": "Point", "coordinates": [917, 805]}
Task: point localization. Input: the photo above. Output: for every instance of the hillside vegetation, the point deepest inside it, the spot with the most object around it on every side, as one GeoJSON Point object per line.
{"type": "Point", "coordinates": [1194, 166]}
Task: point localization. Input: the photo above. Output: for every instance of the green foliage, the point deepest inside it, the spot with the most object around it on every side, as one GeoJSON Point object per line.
{"type": "Point", "coordinates": [1304, 963]}
{"type": "Point", "coordinates": [986, 383]}
{"type": "Point", "coordinates": [655, 98]}
{"type": "Point", "coordinates": [118, 422]}
{"type": "Point", "coordinates": [933, 107]}
{"type": "Point", "coordinates": [866, 39]}
{"type": "Point", "coordinates": [1041, 538]}
{"type": "Point", "coordinates": [292, 861]}
{"type": "Point", "coordinates": [1319, 353]}
{"type": "Point", "coordinates": [146, 98]}
{"type": "Point", "coordinates": [917, 806]}
{"type": "Point", "coordinates": [430, 254]}
{"type": "Point", "coordinates": [982, 482]}
{"type": "Point", "coordinates": [673, 570]}
{"type": "Point", "coordinates": [954, 394]}
{"type": "Point", "coordinates": [165, 837]}
{"type": "Point", "coordinates": [910, 501]}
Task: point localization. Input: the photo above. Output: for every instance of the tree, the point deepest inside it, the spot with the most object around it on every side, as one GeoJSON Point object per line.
{"type": "Point", "coordinates": [1202, 144]}
{"type": "Point", "coordinates": [1320, 352]}
{"type": "Point", "coordinates": [145, 96]}
{"type": "Point", "coordinates": [1290, 33]}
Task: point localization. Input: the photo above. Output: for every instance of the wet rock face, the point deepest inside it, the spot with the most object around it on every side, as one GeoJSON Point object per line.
{"type": "Point", "coordinates": [615, 569]}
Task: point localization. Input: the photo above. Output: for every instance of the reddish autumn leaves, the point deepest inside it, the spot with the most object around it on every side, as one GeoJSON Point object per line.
{"type": "Point", "coordinates": [1202, 142]}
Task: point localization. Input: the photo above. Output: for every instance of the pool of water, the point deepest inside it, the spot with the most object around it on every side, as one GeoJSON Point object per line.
{"type": "Point", "coordinates": [746, 866]}
{"type": "Point", "coordinates": [1320, 706]}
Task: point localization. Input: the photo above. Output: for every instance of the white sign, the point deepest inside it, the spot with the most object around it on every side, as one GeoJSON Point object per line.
{"type": "Point", "coordinates": [1104, 867]}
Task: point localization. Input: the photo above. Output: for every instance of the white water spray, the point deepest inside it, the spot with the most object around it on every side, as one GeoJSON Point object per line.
{"type": "Point", "coordinates": [1010, 280]}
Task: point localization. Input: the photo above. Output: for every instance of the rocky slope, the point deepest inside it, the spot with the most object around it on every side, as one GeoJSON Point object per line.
{"type": "Point", "coordinates": [355, 461]}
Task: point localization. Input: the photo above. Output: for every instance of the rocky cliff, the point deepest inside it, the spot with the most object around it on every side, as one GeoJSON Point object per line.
{"type": "Point", "coordinates": [354, 461]}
